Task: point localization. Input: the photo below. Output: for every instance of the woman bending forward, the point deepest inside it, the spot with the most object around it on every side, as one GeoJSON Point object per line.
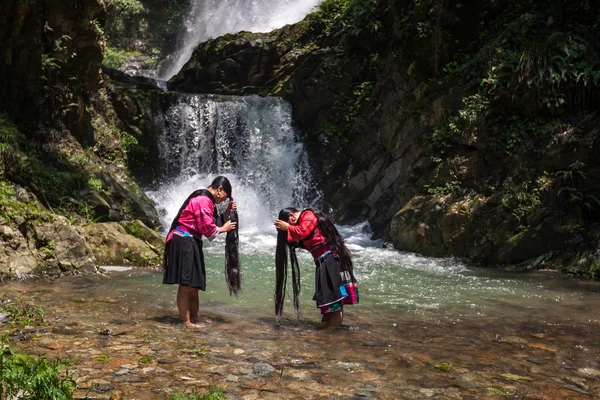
{"type": "Point", "coordinates": [183, 258]}
{"type": "Point", "coordinates": [335, 284]}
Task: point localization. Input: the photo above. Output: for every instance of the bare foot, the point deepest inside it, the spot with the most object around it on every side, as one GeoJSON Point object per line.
{"type": "Point", "coordinates": [322, 325]}
{"type": "Point", "coordinates": [202, 320]}
{"type": "Point", "coordinates": [191, 325]}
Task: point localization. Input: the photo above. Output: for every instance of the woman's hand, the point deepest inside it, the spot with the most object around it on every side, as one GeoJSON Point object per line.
{"type": "Point", "coordinates": [228, 226]}
{"type": "Point", "coordinates": [232, 205]}
{"type": "Point", "coordinates": [281, 225]}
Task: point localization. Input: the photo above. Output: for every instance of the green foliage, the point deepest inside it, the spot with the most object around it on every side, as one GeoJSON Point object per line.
{"type": "Point", "coordinates": [54, 185]}
{"type": "Point", "coordinates": [572, 180]}
{"type": "Point", "coordinates": [28, 378]}
{"type": "Point", "coordinates": [113, 58]}
{"type": "Point", "coordinates": [10, 137]}
{"type": "Point", "coordinates": [200, 351]}
{"type": "Point", "coordinates": [350, 19]}
{"type": "Point", "coordinates": [521, 200]}
{"type": "Point", "coordinates": [473, 109]}
{"type": "Point", "coordinates": [86, 210]}
{"type": "Point", "coordinates": [79, 160]}
{"type": "Point", "coordinates": [10, 206]}
{"type": "Point", "coordinates": [514, 133]}
{"type": "Point", "coordinates": [128, 142]}
{"type": "Point", "coordinates": [95, 183]}
{"type": "Point", "coordinates": [531, 65]}
{"type": "Point", "coordinates": [347, 117]}
{"type": "Point", "coordinates": [451, 187]}
{"type": "Point", "coordinates": [498, 391]}
{"type": "Point", "coordinates": [213, 394]}
{"type": "Point", "coordinates": [103, 358]}
{"type": "Point", "coordinates": [443, 366]}
{"type": "Point", "coordinates": [126, 7]}
{"type": "Point", "coordinates": [48, 251]}
{"type": "Point", "coordinates": [23, 313]}
{"type": "Point", "coordinates": [146, 360]}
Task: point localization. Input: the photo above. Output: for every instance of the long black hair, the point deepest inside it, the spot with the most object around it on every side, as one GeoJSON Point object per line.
{"type": "Point", "coordinates": [334, 240]}
{"type": "Point", "coordinates": [281, 263]}
{"type": "Point", "coordinates": [232, 257]}
{"type": "Point", "coordinates": [232, 264]}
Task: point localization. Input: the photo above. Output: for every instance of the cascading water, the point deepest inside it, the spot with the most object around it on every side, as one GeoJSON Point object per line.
{"type": "Point", "coordinates": [248, 139]}
{"type": "Point", "coordinates": [214, 18]}
{"type": "Point", "coordinates": [251, 141]}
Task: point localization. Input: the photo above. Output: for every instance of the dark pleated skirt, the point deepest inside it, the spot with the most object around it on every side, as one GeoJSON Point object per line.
{"type": "Point", "coordinates": [185, 263]}
{"type": "Point", "coordinates": [332, 285]}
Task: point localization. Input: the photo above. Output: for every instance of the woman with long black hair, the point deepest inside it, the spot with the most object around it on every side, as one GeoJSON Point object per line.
{"type": "Point", "coordinates": [335, 284]}
{"type": "Point", "coordinates": [183, 260]}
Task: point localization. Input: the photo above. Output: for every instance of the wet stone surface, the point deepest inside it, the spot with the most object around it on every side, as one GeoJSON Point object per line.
{"type": "Point", "coordinates": [133, 347]}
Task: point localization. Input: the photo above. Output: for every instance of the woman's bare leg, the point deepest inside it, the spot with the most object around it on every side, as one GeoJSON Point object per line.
{"type": "Point", "coordinates": [335, 319]}
{"type": "Point", "coordinates": [194, 308]}
{"type": "Point", "coordinates": [184, 296]}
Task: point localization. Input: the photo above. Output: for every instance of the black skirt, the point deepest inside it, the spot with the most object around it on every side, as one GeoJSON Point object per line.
{"type": "Point", "coordinates": [328, 281]}
{"type": "Point", "coordinates": [185, 263]}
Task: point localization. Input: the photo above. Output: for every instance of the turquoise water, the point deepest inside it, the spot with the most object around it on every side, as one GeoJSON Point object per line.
{"type": "Point", "coordinates": [390, 283]}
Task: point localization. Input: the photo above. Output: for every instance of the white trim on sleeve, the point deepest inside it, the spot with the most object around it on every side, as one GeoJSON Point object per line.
{"type": "Point", "coordinates": [214, 235]}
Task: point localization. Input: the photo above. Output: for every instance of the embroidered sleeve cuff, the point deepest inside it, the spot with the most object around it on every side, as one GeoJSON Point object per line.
{"type": "Point", "coordinates": [214, 235]}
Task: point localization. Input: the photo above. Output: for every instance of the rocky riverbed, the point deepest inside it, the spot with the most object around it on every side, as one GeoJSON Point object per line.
{"type": "Point", "coordinates": [123, 341]}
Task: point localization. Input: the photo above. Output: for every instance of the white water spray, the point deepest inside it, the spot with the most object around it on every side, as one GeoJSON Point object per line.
{"type": "Point", "coordinates": [248, 139]}
{"type": "Point", "coordinates": [214, 18]}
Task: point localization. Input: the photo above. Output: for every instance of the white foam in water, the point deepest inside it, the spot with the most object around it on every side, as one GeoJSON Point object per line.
{"type": "Point", "coordinates": [250, 140]}
{"type": "Point", "coordinates": [212, 18]}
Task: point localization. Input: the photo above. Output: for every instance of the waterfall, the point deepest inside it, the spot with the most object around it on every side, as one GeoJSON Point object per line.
{"type": "Point", "coordinates": [248, 139]}
{"type": "Point", "coordinates": [213, 18]}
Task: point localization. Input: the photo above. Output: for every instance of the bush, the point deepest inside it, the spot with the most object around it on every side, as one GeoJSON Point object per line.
{"type": "Point", "coordinates": [29, 378]}
{"type": "Point", "coordinates": [113, 58]}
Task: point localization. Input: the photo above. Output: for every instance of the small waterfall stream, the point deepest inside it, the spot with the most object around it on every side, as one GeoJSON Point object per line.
{"type": "Point", "coordinates": [213, 18]}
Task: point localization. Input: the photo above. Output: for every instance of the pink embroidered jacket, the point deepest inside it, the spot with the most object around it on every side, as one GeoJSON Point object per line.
{"type": "Point", "coordinates": [198, 218]}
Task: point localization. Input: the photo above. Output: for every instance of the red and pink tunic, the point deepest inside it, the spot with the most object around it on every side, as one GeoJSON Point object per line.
{"type": "Point", "coordinates": [309, 233]}
{"type": "Point", "coordinates": [197, 218]}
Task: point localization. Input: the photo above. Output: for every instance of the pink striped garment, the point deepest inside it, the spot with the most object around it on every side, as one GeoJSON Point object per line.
{"type": "Point", "coordinates": [198, 218]}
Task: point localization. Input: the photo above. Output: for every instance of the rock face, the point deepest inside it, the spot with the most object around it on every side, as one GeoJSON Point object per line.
{"type": "Point", "coordinates": [52, 40]}
{"type": "Point", "coordinates": [65, 153]}
{"type": "Point", "coordinates": [113, 245]}
{"type": "Point", "coordinates": [36, 241]}
{"type": "Point", "coordinates": [403, 131]}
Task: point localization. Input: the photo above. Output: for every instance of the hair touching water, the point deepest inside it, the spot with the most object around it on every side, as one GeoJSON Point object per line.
{"type": "Point", "coordinates": [335, 241]}
{"type": "Point", "coordinates": [232, 262]}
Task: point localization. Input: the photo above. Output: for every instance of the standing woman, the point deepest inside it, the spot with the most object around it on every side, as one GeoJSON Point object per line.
{"type": "Point", "coordinates": [335, 284]}
{"type": "Point", "coordinates": [183, 260]}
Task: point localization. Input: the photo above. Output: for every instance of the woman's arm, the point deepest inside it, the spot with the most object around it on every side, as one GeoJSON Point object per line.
{"type": "Point", "coordinates": [305, 226]}
{"type": "Point", "coordinates": [204, 217]}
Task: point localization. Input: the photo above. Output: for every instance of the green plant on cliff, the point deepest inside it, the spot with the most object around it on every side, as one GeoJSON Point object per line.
{"type": "Point", "coordinates": [9, 141]}
{"type": "Point", "coordinates": [572, 180]}
{"type": "Point", "coordinates": [113, 58]}
{"type": "Point", "coordinates": [513, 133]}
{"type": "Point", "coordinates": [126, 7]}
{"type": "Point", "coordinates": [541, 68]}
{"type": "Point", "coordinates": [474, 108]}
{"type": "Point", "coordinates": [521, 200]}
{"type": "Point", "coordinates": [48, 250]}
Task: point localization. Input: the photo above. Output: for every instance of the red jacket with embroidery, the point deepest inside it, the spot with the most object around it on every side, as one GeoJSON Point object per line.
{"type": "Point", "coordinates": [306, 225]}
